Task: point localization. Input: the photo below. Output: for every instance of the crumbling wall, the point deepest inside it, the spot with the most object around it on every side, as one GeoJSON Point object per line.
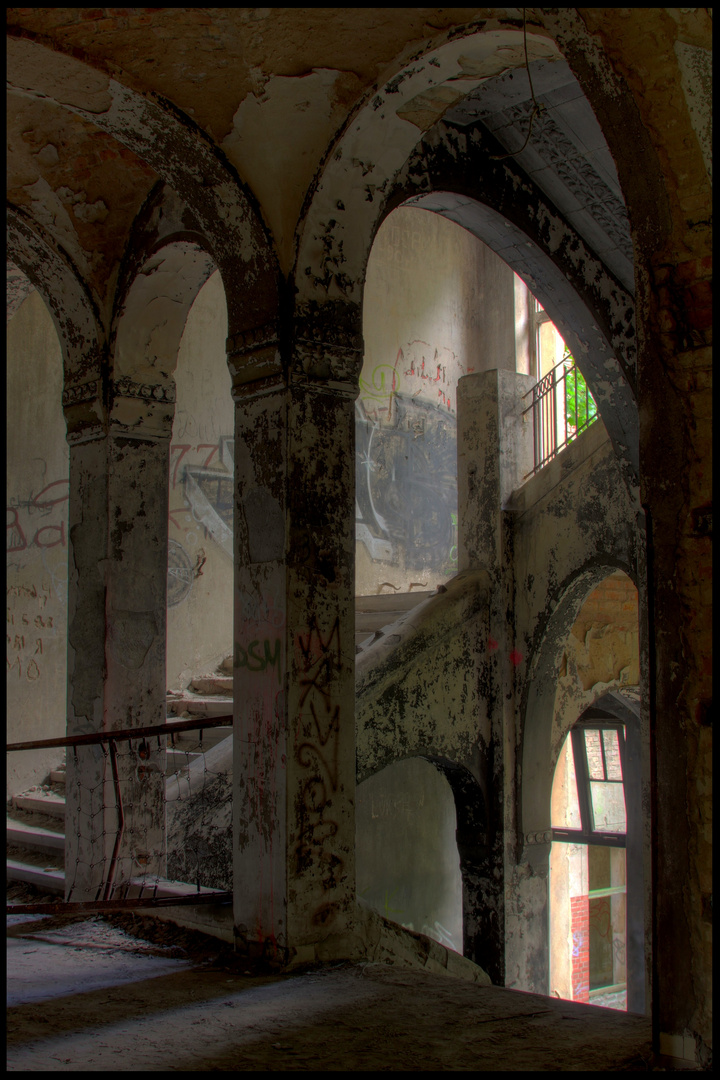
{"type": "Point", "coordinates": [418, 686]}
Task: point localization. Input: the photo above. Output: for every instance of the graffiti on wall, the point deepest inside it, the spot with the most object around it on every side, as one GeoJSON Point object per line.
{"type": "Point", "coordinates": [201, 474]}
{"type": "Point", "coordinates": [36, 541]}
{"type": "Point", "coordinates": [406, 459]}
{"type": "Point", "coordinates": [201, 508]}
{"type": "Point", "coordinates": [29, 626]}
{"type": "Point", "coordinates": [317, 747]}
{"type": "Point", "coordinates": [38, 522]}
{"type": "Point", "coordinates": [406, 485]}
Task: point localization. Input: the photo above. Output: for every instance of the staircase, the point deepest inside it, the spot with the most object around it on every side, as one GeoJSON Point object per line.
{"type": "Point", "coordinates": [36, 818]}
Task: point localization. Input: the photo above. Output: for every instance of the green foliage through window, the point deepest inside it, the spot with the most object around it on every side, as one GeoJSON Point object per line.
{"type": "Point", "coordinates": [580, 407]}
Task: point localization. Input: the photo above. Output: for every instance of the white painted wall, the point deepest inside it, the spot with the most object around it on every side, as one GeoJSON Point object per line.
{"type": "Point", "coordinates": [438, 304]}
{"type": "Point", "coordinates": [200, 605]}
{"type": "Point", "coordinates": [36, 586]}
{"type": "Point", "coordinates": [408, 867]}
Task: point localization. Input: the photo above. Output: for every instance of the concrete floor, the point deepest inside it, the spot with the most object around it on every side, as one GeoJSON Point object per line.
{"type": "Point", "coordinates": [88, 994]}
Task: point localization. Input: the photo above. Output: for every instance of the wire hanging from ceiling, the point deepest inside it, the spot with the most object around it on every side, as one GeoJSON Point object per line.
{"type": "Point", "coordinates": [537, 108]}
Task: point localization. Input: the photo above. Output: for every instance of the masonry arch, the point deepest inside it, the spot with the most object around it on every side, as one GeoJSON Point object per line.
{"type": "Point", "coordinates": [593, 310]}
{"type": "Point", "coordinates": [151, 318]}
{"type": "Point", "coordinates": [606, 357]}
{"type": "Point", "coordinates": [72, 308]}
{"type": "Point", "coordinates": [598, 892]}
{"type": "Point", "coordinates": [441, 863]}
{"type": "Point", "coordinates": [540, 744]}
{"type": "Point", "coordinates": [550, 708]}
{"type": "Point", "coordinates": [181, 154]}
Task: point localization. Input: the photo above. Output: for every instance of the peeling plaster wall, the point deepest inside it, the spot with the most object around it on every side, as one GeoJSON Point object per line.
{"type": "Point", "coordinates": [18, 288]}
{"type": "Point", "coordinates": [200, 569]}
{"type": "Point", "coordinates": [419, 687]}
{"type": "Point", "coordinates": [603, 645]}
{"type": "Point", "coordinates": [574, 512]}
{"type": "Point", "coordinates": [36, 585]}
{"type": "Point", "coordinates": [571, 523]}
{"type": "Point", "coordinates": [602, 653]}
{"type": "Point", "coordinates": [645, 74]}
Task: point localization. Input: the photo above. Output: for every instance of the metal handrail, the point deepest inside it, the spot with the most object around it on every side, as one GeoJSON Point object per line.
{"type": "Point", "coordinates": [169, 728]}
{"type": "Point", "coordinates": [552, 432]}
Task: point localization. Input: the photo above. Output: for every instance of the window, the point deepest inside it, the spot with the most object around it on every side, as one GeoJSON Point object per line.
{"type": "Point", "coordinates": [561, 403]}
{"type": "Point", "coordinates": [546, 344]}
{"type": "Point", "coordinates": [595, 807]}
{"type": "Point", "coordinates": [588, 909]}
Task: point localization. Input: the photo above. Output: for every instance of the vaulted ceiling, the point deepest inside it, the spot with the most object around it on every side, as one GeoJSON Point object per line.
{"type": "Point", "coordinates": [271, 88]}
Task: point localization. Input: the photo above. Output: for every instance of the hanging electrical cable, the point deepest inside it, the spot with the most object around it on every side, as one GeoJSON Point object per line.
{"type": "Point", "coordinates": [537, 108]}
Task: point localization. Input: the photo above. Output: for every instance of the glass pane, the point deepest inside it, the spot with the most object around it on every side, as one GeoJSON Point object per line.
{"type": "Point", "coordinates": [594, 755]}
{"type": "Point", "coordinates": [608, 804]}
{"type": "Point", "coordinates": [612, 755]}
{"type": "Point", "coordinates": [565, 805]}
{"type": "Point", "coordinates": [547, 348]}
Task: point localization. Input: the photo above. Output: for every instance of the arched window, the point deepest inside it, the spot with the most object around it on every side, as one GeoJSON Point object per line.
{"type": "Point", "coordinates": [589, 872]}
{"type": "Point", "coordinates": [595, 809]}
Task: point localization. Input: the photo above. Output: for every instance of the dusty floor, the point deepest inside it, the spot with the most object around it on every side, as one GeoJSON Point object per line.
{"type": "Point", "coordinates": [89, 994]}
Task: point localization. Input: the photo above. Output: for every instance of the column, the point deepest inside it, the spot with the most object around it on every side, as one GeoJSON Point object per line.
{"type": "Point", "coordinates": [494, 455]}
{"type": "Point", "coordinates": [294, 724]}
{"type": "Point", "coordinates": [117, 585]}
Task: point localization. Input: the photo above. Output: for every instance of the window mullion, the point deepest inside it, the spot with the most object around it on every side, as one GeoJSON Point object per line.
{"type": "Point", "coordinates": [582, 779]}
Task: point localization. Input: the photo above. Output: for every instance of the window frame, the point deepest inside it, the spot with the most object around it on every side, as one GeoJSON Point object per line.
{"type": "Point", "coordinates": [593, 720]}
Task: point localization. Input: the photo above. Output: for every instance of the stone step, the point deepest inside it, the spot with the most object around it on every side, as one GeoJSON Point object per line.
{"type": "Point", "coordinates": [394, 604]}
{"type": "Point", "coordinates": [52, 879]}
{"type": "Point", "coordinates": [210, 736]}
{"type": "Point", "coordinates": [49, 879]}
{"type": "Point", "coordinates": [177, 760]}
{"type": "Point", "coordinates": [368, 622]}
{"type": "Point", "coordinates": [212, 685]}
{"type": "Point", "coordinates": [34, 837]}
{"type": "Point", "coordinates": [41, 802]}
{"type": "Point", "coordinates": [200, 706]}
{"type": "Point", "coordinates": [57, 776]}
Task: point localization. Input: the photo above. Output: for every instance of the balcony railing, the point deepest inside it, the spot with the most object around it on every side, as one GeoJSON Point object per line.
{"type": "Point", "coordinates": [562, 407]}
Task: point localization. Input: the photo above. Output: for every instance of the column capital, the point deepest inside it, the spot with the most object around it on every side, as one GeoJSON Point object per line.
{"type": "Point", "coordinates": [253, 357]}
{"type": "Point", "coordinates": [142, 410]}
{"type": "Point", "coordinates": [326, 365]}
{"type": "Point", "coordinates": [85, 411]}
{"type": "Point", "coordinates": [125, 407]}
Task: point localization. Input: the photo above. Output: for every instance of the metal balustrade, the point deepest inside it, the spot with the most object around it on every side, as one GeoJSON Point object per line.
{"type": "Point", "coordinates": [558, 399]}
{"type": "Point", "coordinates": [134, 749]}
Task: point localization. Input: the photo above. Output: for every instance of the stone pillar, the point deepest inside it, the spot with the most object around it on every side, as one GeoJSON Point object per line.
{"type": "Point", "coordinates": [294, 725]}
{"type": "Point", "coordinates": [117, 585]}
{"type": "Point", "coordinates": [494, 456]}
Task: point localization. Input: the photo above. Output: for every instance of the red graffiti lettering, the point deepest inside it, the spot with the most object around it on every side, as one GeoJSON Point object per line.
{"type": "Point", "coordinates": [15, 536]}
{"type": "Point", "coordinates": [207, 446]}
{"type": "Point", "coordinates": [48, 529]}
{"type": "Point", "coordinates": [184, 448]}
{"type": "Point", "coordinates": [41, 503]}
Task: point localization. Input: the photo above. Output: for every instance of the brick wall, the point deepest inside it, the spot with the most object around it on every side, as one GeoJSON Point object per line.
{"type": "Point", "coordinates": [580, 930]}
{"type": "Point", "coordinates": [614, 601]}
